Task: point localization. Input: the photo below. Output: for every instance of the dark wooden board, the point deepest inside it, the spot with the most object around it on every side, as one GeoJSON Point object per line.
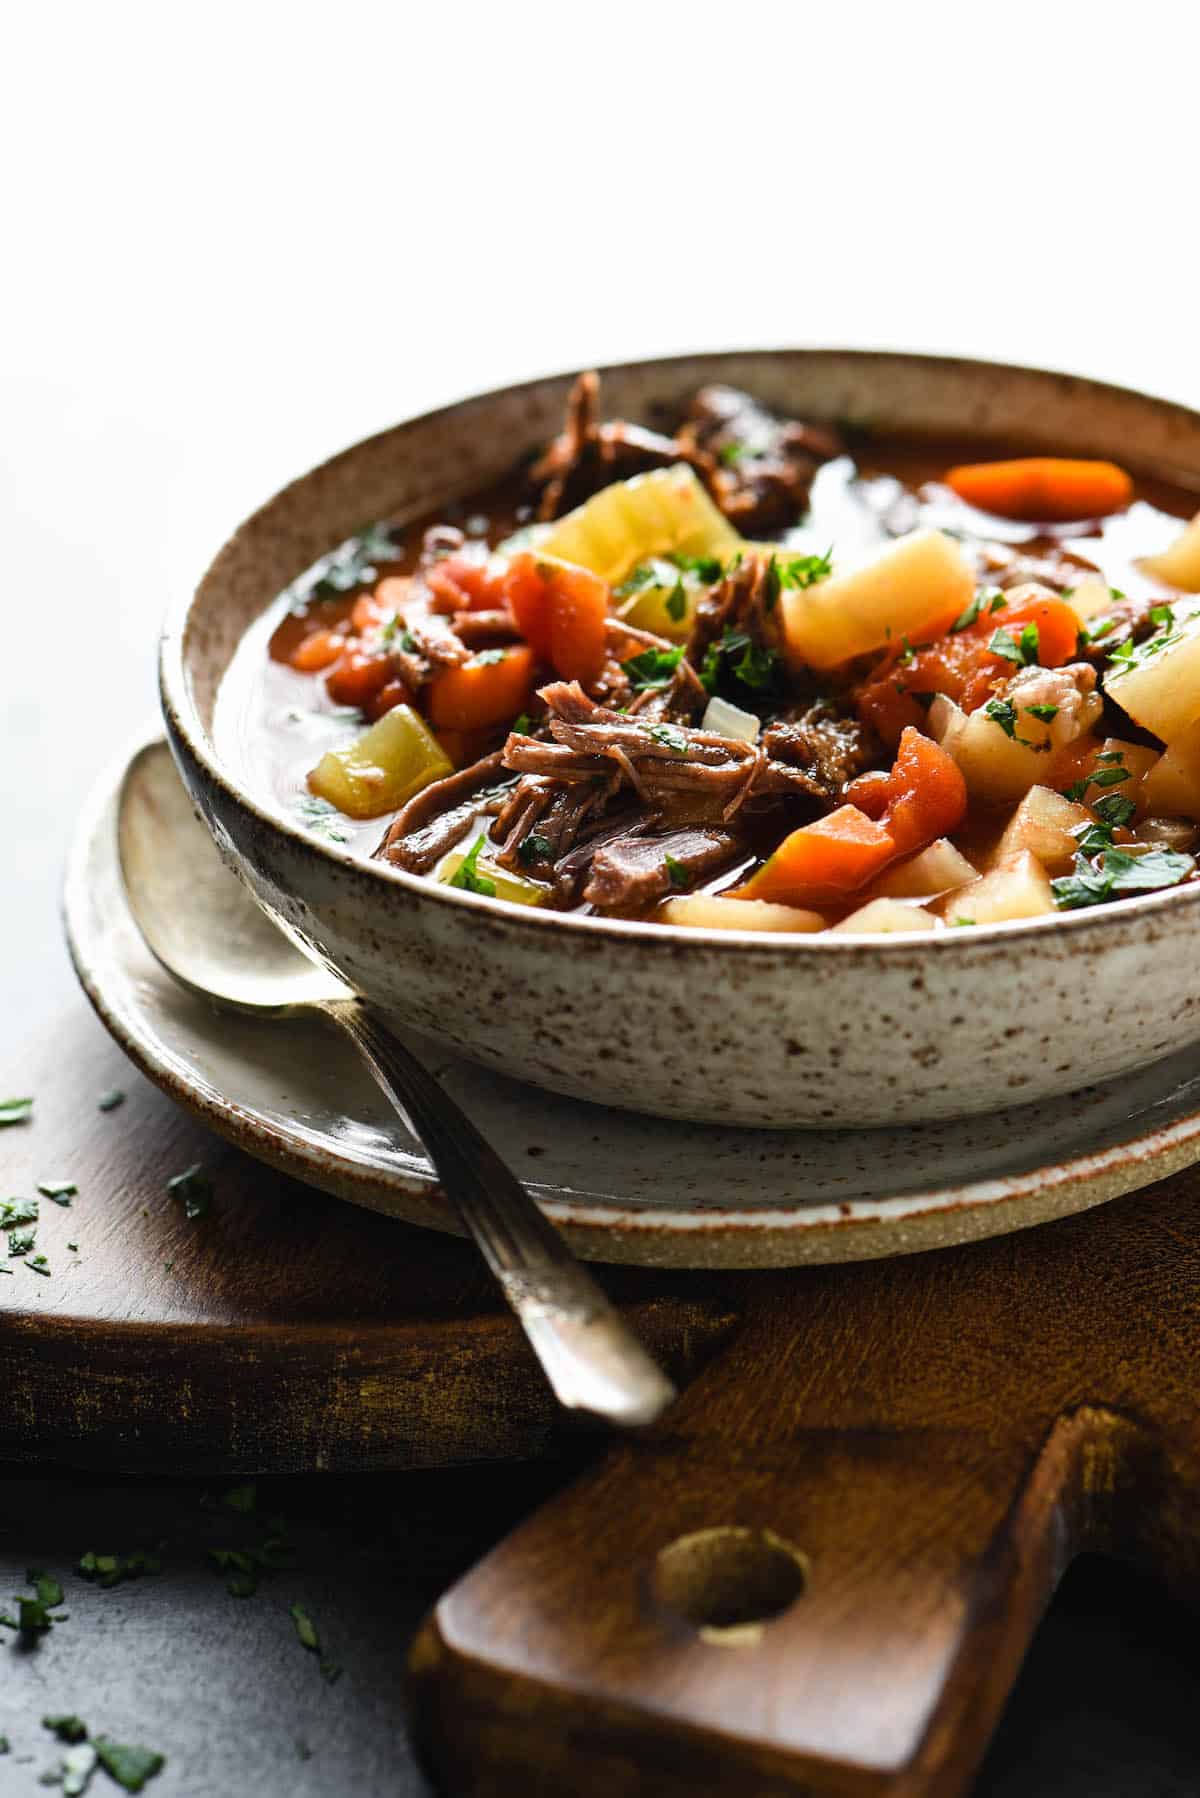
{"type": "Point", "coordinates": [284, 1330]}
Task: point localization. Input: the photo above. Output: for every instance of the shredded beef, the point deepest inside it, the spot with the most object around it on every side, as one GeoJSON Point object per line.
{"type": "Point", "coordinates": [632, 870]}
{"type": "Point", "coordinates": [588, 455]}
{"type": "Point", "coordinates": [439, 816]}
{"type": "Point", "coordinates": [832, 750]}
{"type": "Point", "coordinates": [742, 601]}
{"type": "Point", "coordinates": [763, 466]}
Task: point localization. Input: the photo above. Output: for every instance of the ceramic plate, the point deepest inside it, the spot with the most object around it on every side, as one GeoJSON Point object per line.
{"type": "Point", "coordinates": [620, 1186]}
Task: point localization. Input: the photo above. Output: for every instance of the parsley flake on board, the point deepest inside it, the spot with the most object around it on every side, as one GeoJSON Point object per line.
{"type": "Point", "coordinates": [110, 1100]}
{"type": "Point", "coordinates": [193, 1189]}
{"type": "Point", "coordinates": [68, 1729]}
{"type": "Point", "coordinates": [38, 1264]}
{"type": "Point", "coordinates": [107, 1571]}
{"type": "Point", "coordinates": [61, 1191]}
{"type": "Point", "coordinates": [18, 1211]}
{"type": "Point", "coordinates": [128, 1764]}
{"type": "Point", "coordinates": [21, 1242]}
{"type": "Point", "coordinates": [466, 877]}
{"type": "Point", "coordinates": [652, 669]}
{"type": "Point", "coordinates": [15, 1111]}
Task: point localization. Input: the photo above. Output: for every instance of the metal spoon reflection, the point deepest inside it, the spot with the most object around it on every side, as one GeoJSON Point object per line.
{"type": "Point", "coordinates": [209, 933]}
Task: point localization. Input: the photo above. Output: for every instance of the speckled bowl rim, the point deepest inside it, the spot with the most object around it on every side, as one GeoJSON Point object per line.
{"type": "Point", "coordinates": [183, 715]}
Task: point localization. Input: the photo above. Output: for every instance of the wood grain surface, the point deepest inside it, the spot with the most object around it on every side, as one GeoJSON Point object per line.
{"type": "Point", "coordinates": [283, 1330]}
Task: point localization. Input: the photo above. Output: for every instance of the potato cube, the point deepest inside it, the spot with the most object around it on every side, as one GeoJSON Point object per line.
{"type": "Point", "coordinates": [916, 588]}
{"type": "Point", "coordinates": [1161, 692]}
{"type": "Point", "coordinates": [1014, 889]}
{"type": "Point", "coordinates": [709, 911]}
{"type": "Point", "coordinates": [1179, 563]}
{"type": "Point", "coordinates": [1042, 824]}
{"type": "Point", "coordinates": [882, 916]}
{"type": "Point", "coordinates": [382, 768]}
{"type": "Point", "coordinates": [1172, 786]}
{"type": "Point", "coordinates": [995, 766]}
{"type": "Point", "coordinates": [1090, 597]}
{"type": "Point", "coordinates": [937, 869]}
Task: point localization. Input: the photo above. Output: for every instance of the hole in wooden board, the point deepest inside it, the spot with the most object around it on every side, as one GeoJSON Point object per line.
{"type": "Point", "coordinates": [729, 1581]}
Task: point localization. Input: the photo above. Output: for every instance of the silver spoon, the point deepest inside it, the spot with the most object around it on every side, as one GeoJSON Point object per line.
{"type": "Point", "coordinates": [208, 932]}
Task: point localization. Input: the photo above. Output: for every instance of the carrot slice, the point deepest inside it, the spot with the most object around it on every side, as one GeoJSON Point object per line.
{"type": "Point", "coordinates": [489, 689]}
{"type": "Point", "coordinates": [1051, 488]}
{"type": "Point", "coordinates": [821, 863]}
{"type": "Point", "coordinates": [562, 611]}
{"type": "Point", "coordinates": [316, 651]}
{"type": "Point", "coordinates": [923, 798]}
{"type": "Point", "coordinates": [358, 677]}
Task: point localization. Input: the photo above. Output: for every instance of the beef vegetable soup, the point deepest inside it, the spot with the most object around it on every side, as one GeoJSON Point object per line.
{"type": "Point", "coordinates": [745, 674]}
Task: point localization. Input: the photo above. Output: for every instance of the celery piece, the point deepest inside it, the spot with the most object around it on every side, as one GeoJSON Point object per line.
{"type": "Point", "coordinates": [390, 762]}
{"type": "Point", "coordinates": [506, 885]}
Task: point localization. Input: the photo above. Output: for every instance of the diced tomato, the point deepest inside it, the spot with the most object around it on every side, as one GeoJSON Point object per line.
{"type": "Point", "coordinates": [489, 689]}
{"type": "Point", "coordinates": [961, 665]}
{"type": "Point", "coordinates": [464, 584]}
{"type": "Point", "coordinates": [923, 798]}
{"type": "Point", "coordinates": [358, 677]}
{"type": "Point", "coordinates": [821, 863]}
{"type": "Point", "coordinates": [320, 649]}
{"type": "Point", "coordinates": [562, 611]}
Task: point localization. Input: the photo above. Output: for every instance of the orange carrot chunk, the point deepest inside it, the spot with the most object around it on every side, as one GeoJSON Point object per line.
{"type": "Point", "coordinates": [489, 689]}
{"type": "Point", "coordinates": [1043, 488]}
{"type": "Point", "coordinates": [562, 611]}
{"type": "Point", "coordinates": [316, 651]}
{"type": "Point", "coordinates": [923, 798]}
{"type": "Point", "coordinates": [821, 863]}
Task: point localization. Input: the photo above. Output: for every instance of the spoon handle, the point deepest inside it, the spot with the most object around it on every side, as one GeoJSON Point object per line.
{"type": "Point", "coordinates": [592, 1359]}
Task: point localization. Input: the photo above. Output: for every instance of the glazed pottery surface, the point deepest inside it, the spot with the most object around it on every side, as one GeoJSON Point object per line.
{"type": "Point", "coordinates": [730, 1027]}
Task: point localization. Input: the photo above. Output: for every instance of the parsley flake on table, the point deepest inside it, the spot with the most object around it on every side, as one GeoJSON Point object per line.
{"type": "Point", "coordinates": [110, 1100]}
{"type": "Point", "coordinates": [243, 1499]}
{"type": "Point", "coordinates": [15, 1111]}
{"type": "Point", "coordinates": [38, 1264]}
{"type": "Point", "coordinates": [68, 1729]}
{"type": "Point", "coordinates": [18, 1211]}
{"type": "Point", "coordinates": [193, 1189]}
{"type": "Point", "coordinates": [112, 1570]}
{"type": "Point", "coordinates": [306, 1629]}
{"type": "Point", "coordinates": [129, 1765]}
{"type": "Point", "coordinates": [20, 1242]}
{"type": "Point", "coordinates": [61, 1191]}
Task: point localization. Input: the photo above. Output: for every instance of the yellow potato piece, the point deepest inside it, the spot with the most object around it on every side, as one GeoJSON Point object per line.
{"type": "Point", "coordinates": [383, 768]}
{"type": "Point", "coordinates": [937, 869]}
{"type": "Point", "coordinates": [915, 589]}
{"type": "Point", "coordinates": [882, 917]}
{"type": "Point", "coordinates": [1015, 889]}
{"type": "Point", "coordinates": [996, 767]}
{"type": "Point", "coordinates": [1161, 692]}
{"type": "Point", "coordinates": [1172, 786]}
{"type": "Point", "coordinates": [1179, 563]}
{"type": "Point", "coordinates": [708, 911]}
{"type": "Point", "coordinates": [658, 514]}
{"type": "Point", "coordinates": [1042, 824]}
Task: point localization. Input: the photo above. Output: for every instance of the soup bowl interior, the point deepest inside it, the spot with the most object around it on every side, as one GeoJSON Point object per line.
{"type": "Point", "coordinates": [710, 1026]}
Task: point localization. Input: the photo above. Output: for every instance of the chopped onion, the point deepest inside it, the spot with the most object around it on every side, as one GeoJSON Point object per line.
{"type": "Point", "coordinates": [725, 720]}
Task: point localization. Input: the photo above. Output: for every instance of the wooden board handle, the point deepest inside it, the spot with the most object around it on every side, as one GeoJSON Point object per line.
{"type": "Point", "coordinates": [843, 1612]}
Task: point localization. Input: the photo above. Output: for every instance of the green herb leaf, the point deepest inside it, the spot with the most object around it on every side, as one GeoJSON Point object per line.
{"type": "Point", "coordinates": [15, 1111]}
{"type": "Point", "coordinates": [1096, 882]}
{"type": "Point", "coordinates": [18, 1211]}
{"type": "Point", "coordinates": [193, 1189]}
{"type": "Point", "coordinates": [110, 1100]}
{"type": "Point", "coordinates": [1044, 712]}
{"type": "Point", "coordinates": [61, 1191]}
{"type": "Point", "coordinates": [306, 1629]}
{"type": "Point", "coordinates": [772, 586]}
{"type": "Point", "coordinates": [522, 724]}
{"type": "Point", "coordinates": [322, 818]}
{"type": "Point", "coordinates": [669, 735]}
{"type": "Point", "coordinates": [49, 1591]}
{"type": "Point", "coordinates": [731, 453]}
{"type": "Point", "coordinates": [20, 1242]}
{"type": "Point", "coordinates": [129, 1765]}
{"type": "Point", "coordinates": [38, 1264]}
{"type": "Point", "coordinates": [1115, 809]}
{"type": "Point", "coordinates": [652, 669]}
{"type": "Point", "coordinates": [534, 848]}
{"type": "Point", "coordinates": [78, 1765]}
{"type": "Point", "coordinates": [466, 877]}
{"type": "Point", "coordinates": [676, 602]}
{"type": "Point", "coordinates": [487, 658]}
{"type": "Point", "coordinates": [707, 569]}
{"type": "Point", "coordinates": [677, 873]}
{"type": "Point", "coordinates": [805, 571]}
{"type": "Point", "coordinates": [967, 617]}
{"type": "Point", "coordinates": [67, 1729]}
{"type": "Point", "coordinates": [641, 576]}
{"type": "Point", "coordinates": [1004, 713]}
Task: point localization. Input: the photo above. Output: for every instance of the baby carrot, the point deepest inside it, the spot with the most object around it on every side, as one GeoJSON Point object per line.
{"type": "Point", "coordinates": [1036, 488]}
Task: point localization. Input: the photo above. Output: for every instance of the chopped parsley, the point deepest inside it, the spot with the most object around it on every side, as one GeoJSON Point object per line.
{"type": "Point", "coordinates": [707, 569]}
{"type": "Point", "coordinates": [351, 565]}
{"type": "Point", "coordinates": [1044, 712]}
{"type": "Point", "coordinates": [522, 724]}
{"type": "Point", "coordinates": [1114, 874]}
{"type": "Point", "coordinates": [805, 571]}
{"type": "Point", "coordinates": [466, 877]}
{"type": "Point", "coordinates": [15, 1111]}
{"type": "Point", "coordinates": [669, 735]}
{"type": "Point", "coordinates": [676, 602]}
{"type": "Point", "coordinates": [1110, 771]}
{"type": "Point", "coordinates": [987, 598]}
{"type": "Point", "coordinates": [18, 1211]}
{"type": "Point", "coordinates": [487, 658]}
{"type": "Point", "coordinates": [1004, 713]}
{"type": "Point", "coordinates": [128, 1764]}
{"type": "Point", "coordinates": [110, 1100]}
{"type": "Point", "coordinates": [635, 580]}
{"type": "Point", "coordinates": [652, 669]}
{"type": "Point", "coordinates": [772, 586]}
{"type": "Point", "coordinates": [322, 819]}
{"type": "Point", "coordinates": [68, 1729]}
{"type": "Point", "coordinates": [755, 668]}
{"type": "Point", "coordinates": [677, 873]}
{"type": "Point", "coordinates": [61, 1191]}
{"type": "Point", "coordinates": [107, 1571]}
{"type": "Point", "coordinates": [34, 1615]}
{"type": "Point", "coordinates": [193, 1189]}
{"type": "Point", "coordinates": [38, 1264]}
{"type": "Point", "coordinates": [306, 1630]}
{"type": "Point", "coordinates": [534, 848]}
{"type": "Point", "coordinates": [731, 453]}
{"type": "Point", "coordinates": [396, 633]}
{"type": "Point", "coordinates": [20, 1242]}
{"type": "Point", "coordinates": [1114, 810]}
{"type": "Point", "coordinates": [1023, 650]}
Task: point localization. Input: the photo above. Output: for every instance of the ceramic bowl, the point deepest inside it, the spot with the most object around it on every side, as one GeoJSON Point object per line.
{"type": "Point", "coordinates": [728, 1027]}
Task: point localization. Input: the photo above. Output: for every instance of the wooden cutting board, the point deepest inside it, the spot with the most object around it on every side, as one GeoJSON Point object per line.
{"type": "Point", "coordinates": [820, 1572]}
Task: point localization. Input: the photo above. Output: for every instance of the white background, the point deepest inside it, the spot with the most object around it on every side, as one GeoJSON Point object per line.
{"type": "Point", "coordinates": [238, 236]}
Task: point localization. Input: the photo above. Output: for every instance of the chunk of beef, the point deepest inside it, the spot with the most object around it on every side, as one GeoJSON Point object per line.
{"type": "Point", "coordinates": [831, 749]}
{"type": "Point", "coordinates": [638, 867]}
{"type": "Point", "coordinates": [588, 455]}
{"type": "Point", "coordinates": [1008, 565]}
{"type": "Point", "coordinates": [746, 600]}
{"type": "Point", "coordinates": [763, 466]}
{"type": "Point", "coordinates": [439, 816]}
{"type": "Point", "coordinates": [682, 701]}
{"type": "Point", "coordinates": [553, 813]}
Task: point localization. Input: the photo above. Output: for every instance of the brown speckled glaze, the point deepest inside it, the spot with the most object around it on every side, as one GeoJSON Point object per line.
{"type": "Point", "coordinates": [714, 1027]}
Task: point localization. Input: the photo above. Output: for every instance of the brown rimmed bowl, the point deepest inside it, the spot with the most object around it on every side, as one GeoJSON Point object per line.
{"type": "Point", "coordinates": [718, 1027]}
